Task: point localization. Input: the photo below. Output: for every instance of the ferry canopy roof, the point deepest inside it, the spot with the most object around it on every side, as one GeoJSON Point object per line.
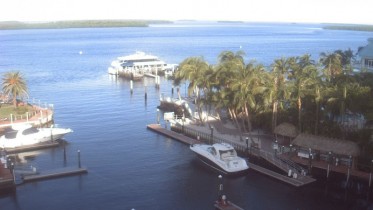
{"type": "Point", "coordinates": [324, 144]}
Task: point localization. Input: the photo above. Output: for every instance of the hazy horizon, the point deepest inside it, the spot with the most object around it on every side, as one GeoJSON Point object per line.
{"type": "Point", "coordinates": [286, 11]}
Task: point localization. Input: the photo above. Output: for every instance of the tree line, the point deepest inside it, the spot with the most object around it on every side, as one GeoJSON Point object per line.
{"type": "Point", "coordinates": [316, 96]}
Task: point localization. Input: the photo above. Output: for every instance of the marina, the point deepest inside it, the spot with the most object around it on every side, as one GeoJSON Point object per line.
{"type": "Point", "coordinates": [129, 163]}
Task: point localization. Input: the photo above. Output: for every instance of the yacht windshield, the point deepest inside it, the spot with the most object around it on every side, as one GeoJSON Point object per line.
{"type": "Point", "coordinates": [11, 134]}
{"type": "Point", "coordinates": [228, 153]}
{"type": "Point", "coordinates": [30, 131]}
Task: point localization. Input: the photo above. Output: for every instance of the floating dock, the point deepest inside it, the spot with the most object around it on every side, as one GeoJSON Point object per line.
{"type": "Point", "coordinates": [177, 136]}
{"type": "Point", "coordinates": [6, 178]}
{"type": "Point", "coordinates": [56, 173]}
{"type": "Point", "coordinates": [297, 182]}
{"type": "Point", "coordinates": [32, 147]}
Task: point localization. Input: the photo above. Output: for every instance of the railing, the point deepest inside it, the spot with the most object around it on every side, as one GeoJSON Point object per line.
{"type": "Point", "coordinates": [282, 163]}
{"type": "Point", "coordinates": [43, 110]}
{"type": "Point", "coordinates": [205, 137]}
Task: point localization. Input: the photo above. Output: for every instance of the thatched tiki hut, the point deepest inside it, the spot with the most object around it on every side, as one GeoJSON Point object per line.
{"type": "Point", "coordinates": [285, 133]}
{"type": "Point", "coordinates": [338, 151]}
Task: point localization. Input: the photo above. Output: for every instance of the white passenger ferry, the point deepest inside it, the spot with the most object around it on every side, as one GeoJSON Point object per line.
{"type": "Point", "coordinates": [140, 64]}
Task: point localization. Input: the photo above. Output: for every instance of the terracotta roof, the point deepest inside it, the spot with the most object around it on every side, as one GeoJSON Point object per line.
{"type": "Point", "coordinates": [337, 146]}
{"type": "Point", "coordinates": [286, 129]}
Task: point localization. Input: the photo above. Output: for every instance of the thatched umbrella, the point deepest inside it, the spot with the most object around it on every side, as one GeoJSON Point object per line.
{"type": "Point", "coordinates": [325, 145]}
{"type": "Point", "coordinates": [287, 130]}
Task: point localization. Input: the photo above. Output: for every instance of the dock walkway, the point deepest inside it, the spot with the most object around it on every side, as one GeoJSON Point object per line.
{"type": "Point", "coordinates": [6, 178]}
{"type": "Point", "coordinates": [177, 136]}
{"type": "Point", "coordinates": [61, 172]}
{"type": "Point", "coordinates": [297, 182]}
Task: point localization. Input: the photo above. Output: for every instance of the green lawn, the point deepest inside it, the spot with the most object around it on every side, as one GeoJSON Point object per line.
{"type": "Point", "coordinates": [7, 109]}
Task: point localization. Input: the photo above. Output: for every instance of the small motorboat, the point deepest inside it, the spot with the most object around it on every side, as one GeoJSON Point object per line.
{"type": "Point", "coordinates": [25, 134]}
{"type": "Point", "coordinates": [221, 156]}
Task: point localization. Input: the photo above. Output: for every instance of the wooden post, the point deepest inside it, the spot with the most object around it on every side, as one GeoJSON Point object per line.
{"type": "Point", "coordinates": [370, 174]}
{"type": "Point", "coordinates": [79, 164]}
{"type": "Point", "coordinates": [26, 116]}
{"type": "Point", "coordinates": [348, 169]}
{"type": "Point", "coordinates": [247, 145]}
{"type": "Point", "coordinates": [131, 86]}
{"type": "Point", "coordinates": [146, 93]}
{"type": "Point", "coordinates": [220, 187]}
{"type": "Point", "coordinates": [329, 161]}
{"type": "Point", "coordinates": [158, 116]}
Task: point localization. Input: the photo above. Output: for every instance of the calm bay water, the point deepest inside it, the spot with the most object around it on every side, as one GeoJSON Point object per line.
{"type": "Point", "coordinates": [129, 166]}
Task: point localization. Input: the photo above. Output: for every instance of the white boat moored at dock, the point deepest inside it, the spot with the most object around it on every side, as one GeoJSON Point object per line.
{"type": "Point", "coordinates": [24, 135]}
{"type": "Point", "coordinates": [221, 156]}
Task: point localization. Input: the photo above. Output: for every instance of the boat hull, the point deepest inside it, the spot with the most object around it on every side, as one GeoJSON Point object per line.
{"type": "Point", "coordinates": [44, 135]}
{"type": "Point", "coordinates": [218, 160]}
{"type": "Point", "coordinates": [217, 168]}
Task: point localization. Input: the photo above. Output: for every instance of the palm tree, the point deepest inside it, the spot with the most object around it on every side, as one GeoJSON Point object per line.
{"type": "Point", "coordinates": [301, 76]}
{"type": "Point", "coordinates": [194, 70]}
{"type": "Point", "coordinates": [14, 85]}
{"type": "Point", "coordinates": [278, 88]}
{"type": "Point", "coordinates": [332, 64]}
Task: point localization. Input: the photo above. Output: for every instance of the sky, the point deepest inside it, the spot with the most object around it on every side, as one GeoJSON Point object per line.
{"type": "Point", "coordinates": [297, 11]}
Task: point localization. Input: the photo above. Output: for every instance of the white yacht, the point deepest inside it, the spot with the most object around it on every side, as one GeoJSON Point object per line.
{"type": "Point", "coordinates": [221, 156]}
{"type": "Point", "coordinates": [24, 135]}
{"type": "Point", "coordinates": [139, 64]}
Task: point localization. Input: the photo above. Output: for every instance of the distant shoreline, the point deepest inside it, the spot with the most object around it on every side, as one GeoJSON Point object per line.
{"type": "Point", "coordinates": [349, 27]}
{"type": "Point", "coordinates": [13, 25]}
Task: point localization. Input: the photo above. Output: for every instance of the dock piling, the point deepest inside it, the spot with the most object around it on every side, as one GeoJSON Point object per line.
{"type": "Point", "coordinates": [79, 164]}
{"type": "Point", "coordinates": [220, 187]}
{"type": "Point", "coordinates": [131, 86]}
{"type": "Point", "coordinates": [146, 93]}
{"type": "Point", "coordinates": [370, 174]}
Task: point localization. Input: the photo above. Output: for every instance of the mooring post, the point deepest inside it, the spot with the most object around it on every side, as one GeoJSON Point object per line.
{"type": "Point", "coordinates": [182, 120]}
{"type": "Point", "coordinates": [158, 116]}
{"type": "Point", "coordinates": [370, 174]}
{"type": "Point", "coordinates": [220, 187]}
{"type": "Point", "coordinates": [146, 93]}
{"type": "Point", "coordinates": [329, 161]}
{"type": "Point", "coordinates": [131, 86]}
{"type": "Point", "coordinates": [309, 160]}
{"type": "Point", "coordinates": [212, 135]}
{"type": "Point", "coordinates": [348, 170]}
{"type": "Point", "coordinates": [247, 145]}
{"type": "Point", "coordinates": [64, 152]}
{"type": "Point", "coordinates": [79, 159]}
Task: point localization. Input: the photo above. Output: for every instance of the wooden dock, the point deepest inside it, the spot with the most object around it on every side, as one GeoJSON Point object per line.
{"type": "Point", "coordinates": [56, 173]}
{"type": "Point", "coordinates": [297, 182]}
{"type": "Point", "coordinates": [33, 147]}
{"type": "Point", "coordinates": [177, 136]}
{"type": "Point", "coordinates": [6, 178]}
{"type": "Point", "coordinates": [228, 206]}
